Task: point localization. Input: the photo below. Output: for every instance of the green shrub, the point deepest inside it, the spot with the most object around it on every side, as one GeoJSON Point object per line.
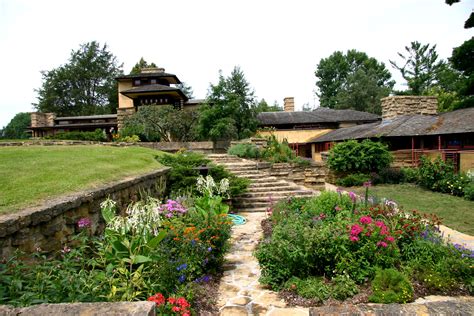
{"type": "Point", "coordinates": [391, 176]}
{"type": "Point", "coordinates": [356, 179]}
{"type": "Point", "coordinates": [410, 175]}
{"type": "Point", "coordinates": [97, 136]}
{"type": "Point", "coordinates": [130, 139]}
{"type": "Point", "coordinates": [244, 150]}
{"type": "Point", "coordinates": [184, 171]}
{"type": "Point", "coordinates": [130, 129]}
{"type": "Point", "coordinates": [343, 287]}
{"type": "Point", "coordinates": [352, 156]}
{"type": "Point", "coordinates": [391, 286]}
{"type": "Point", "coordinates": [469, 191]}
{"type": "Point", "coordinates": [312, 288]}
{"type": "Point", "coordinates": [328, 203]}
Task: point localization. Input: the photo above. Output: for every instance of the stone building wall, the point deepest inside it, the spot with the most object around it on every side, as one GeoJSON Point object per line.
{"type": "Point", "coordinates": [122, 114]}
{"type": "Point", "coordinates": [39, 119]}
{"type": "Point", "coordinates": [50, 226]}
{"type": "Point", "coordinates": [408, 105]}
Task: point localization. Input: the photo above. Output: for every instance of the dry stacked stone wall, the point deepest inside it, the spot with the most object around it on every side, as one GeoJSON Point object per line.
{"type": "Point", "coordinates": [408, 105]}
{"type": "Point", "coordinates": [49, 227]}
{"type": "Point", "coordinates": [312, 176]}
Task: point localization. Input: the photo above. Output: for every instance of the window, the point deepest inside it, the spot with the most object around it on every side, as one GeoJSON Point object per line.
{"type": "Point", "coordinates": [136, 82]}
{"type": "Point", "coordinates": [153, 81]}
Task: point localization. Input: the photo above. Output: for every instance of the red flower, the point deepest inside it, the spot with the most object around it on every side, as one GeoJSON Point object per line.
{"type": "Point", "coordinates": [158, 298]}
{"type": "Point", "coordinates": [182, 302]}
{"type": "Point", "coordinates": [171, 300]}
{"type": "Point", "coordinates": [175, 309]}
{"type": "Point", "coordinates": [389, 239]}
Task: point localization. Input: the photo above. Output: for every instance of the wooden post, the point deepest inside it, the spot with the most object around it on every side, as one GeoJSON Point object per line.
{"type": "Point", "coordinates": [413, 151]}
{"type": "Point", "coordinates": [439, 142]}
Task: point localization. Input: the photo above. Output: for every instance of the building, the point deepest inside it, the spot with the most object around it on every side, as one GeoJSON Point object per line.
{"type": "Point", "coordinates": [299, 127]}
{"type": "Point", "coordinates": [153, 86]}
{"type": "Point", "coordinates": [412, 127]}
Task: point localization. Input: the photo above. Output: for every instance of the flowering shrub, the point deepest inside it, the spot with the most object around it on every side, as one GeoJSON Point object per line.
{"type": "Point", "coordinates": [170, 306]}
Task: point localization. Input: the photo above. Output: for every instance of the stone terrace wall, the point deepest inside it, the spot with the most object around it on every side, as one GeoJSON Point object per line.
{"type": "Point", "coordinates": [202, 147]}
{"type": "Point", "coordinates": [50, 226]}
{"type": "Point", "coordinates": [408, 105]}
{"type": "Point", "coordinates": [313, 176]}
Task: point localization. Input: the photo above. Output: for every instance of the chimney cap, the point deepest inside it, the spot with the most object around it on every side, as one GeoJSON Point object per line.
{"type": "Point", "coordinates": [148, 70]}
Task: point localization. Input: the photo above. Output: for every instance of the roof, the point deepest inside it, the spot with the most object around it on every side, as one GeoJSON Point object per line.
{"type": "Point", "coordinates": [319, 115]}
{"type": "Point", "coordinates": [175, 79]}
{"type": "Point", "coordinates": [150, 88]}
{"type": "Point", "coordinates": [90, 117]}
{"type": "Point", "coordinates": [455, 122]}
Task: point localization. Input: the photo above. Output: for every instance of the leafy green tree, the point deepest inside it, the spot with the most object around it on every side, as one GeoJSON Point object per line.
{"type": "Point", "coordinates": [307, 107]}
{"type": "Point", "coordinates": [462, 60]}
{"type": "Point", "coordinates": [230, 110]}
{"type": "Point", "coordinates": [162, 123]}
{"type": "Point", "coordinates": [333, 72]}
{"type": "Point", "coordinates": [420, 67]}
{"type": "Point", "coordinates": [85, 85]}
{"type": "Point", "coordinates": [16, 129]}
{"type": "Point", "coordinates": [263, 106]}
{"type": "Point", "coordinates": [142, 63]}
{"type": "Point", "coordinates": [362, 92]}
{"type": "Point", "coordinates": [187, 89]}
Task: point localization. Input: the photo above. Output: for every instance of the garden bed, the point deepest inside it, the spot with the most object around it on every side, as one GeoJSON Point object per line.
{"type": "Point", "coordinates": [337, 249]}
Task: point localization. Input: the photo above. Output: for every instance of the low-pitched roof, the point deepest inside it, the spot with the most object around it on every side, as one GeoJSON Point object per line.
{"type": "Point", "coordinates": [150, 88]}
{"type": "Point", "coordinates": [88, 117]}
{"type": "Point", "coordinates": [455, 122]}
{"type": "Point", "coordinates": [319, 115]}
{"type": "Point", "coordinates": [174, 80]}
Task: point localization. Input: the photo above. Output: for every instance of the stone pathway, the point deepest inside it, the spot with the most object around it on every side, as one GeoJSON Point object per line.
{"type": "Point", "coordinates": [240, 293]}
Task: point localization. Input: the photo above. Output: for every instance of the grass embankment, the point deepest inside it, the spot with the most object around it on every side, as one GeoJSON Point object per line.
{"type": "Point", "coordinates": [30, 175]}
{"type": "Point", "coordinates": [455, 212]}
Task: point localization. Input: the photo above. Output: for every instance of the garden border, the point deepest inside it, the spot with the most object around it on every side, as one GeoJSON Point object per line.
{"type": "Point", "coordinates": [49, 226]}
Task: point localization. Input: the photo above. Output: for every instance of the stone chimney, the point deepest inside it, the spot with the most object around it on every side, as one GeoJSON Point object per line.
{"type": "Point", "coordinates": [289, 104]}
{"type": "Point", "coordinates": [408, 105]}
{"type": "Point", "coordinates": [149, 70]}
{"type": "Point", "coordinates": [39, 119]}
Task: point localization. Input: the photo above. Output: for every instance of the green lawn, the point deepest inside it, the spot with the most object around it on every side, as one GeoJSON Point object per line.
{"type": "Point", "coordinates": [30, 175]}
{"type": "Point", "coordinates": [456, 213]}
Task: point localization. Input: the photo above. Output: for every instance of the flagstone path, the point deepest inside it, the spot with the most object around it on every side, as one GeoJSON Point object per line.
{"type": "Point", "coordinates": [240, 293]}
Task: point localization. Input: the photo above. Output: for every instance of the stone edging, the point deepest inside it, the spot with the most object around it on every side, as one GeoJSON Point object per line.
{"type": "Point", "coordinates": [49, 225]}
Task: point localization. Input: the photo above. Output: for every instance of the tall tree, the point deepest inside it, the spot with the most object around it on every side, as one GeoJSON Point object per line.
{"type": "Point", "coordinates": [84, 86]}
{"type": "Point", "coordinates": [187, 89]}
{"type": "Point", "coordinates": [362, 92]}
{"type": "Point", "coordinates": [420, 66]}
{"type": "Point", "coordinates": [263, 106]}
{"type": "Point", "coordinates": [230, 111]}
{"type": "Point", "coordinates": [332, 75]}
{"type": "Point", "coordinates": [463, 61]}
{"type": "Point", "coordinates": [470, 20]}
{"type": "Point", "coordinates": [142, 63]}
{"type": "Point", "coordinates": [16, 129]}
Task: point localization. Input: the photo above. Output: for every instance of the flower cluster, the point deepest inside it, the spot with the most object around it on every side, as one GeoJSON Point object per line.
{"type": "Point", "coordinates": [208, 187]}
{"type": "Point", "coordinates": [374, 229]}
{"type": "Point", "coordinates": [172, 208]}
{"type": "Point", "coordinates": [84, 222]}
{"type": "Point", "coordinates": [177, 306]}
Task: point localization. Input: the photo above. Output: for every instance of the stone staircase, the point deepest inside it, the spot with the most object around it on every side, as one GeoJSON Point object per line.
{"type": "Point", "coordinates": [264, 190]}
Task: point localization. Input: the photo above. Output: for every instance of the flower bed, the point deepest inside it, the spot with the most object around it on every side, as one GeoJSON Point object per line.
{"type": "Point", "coordinates": [336, 245]}
{"type": "Point", "coordinates": [160, 252]}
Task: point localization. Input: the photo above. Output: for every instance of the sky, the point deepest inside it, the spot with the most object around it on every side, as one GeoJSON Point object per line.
{"type": "Point", "coordinates": [277, 44]}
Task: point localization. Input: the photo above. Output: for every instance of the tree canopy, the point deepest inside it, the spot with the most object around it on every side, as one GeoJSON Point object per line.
{"type": "Point", "coordinates": [230, 110]}
{"type": "Point", "coordinates": [85, 85]}
{"type": "Point", "coordinates": [419, 67]}
{"type": "Point", "coordinates": [462, 60]}
{"type": "Point", "coordinates": [16, 129]}
{"type": "Point", "coordinates": [263, 106]}
{"type": "Point", "coordinates": [336, 79]}
{"type": "Point", "coordinates": [142, 63]}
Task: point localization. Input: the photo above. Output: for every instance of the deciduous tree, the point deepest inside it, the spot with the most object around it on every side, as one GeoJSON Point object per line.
{"type": "Point", "coordinates": [334, 72]}
{"type": "Point", "coordinates": [16, 129]}
{"type": "Point", "coordinates": [142, 63]}
{"type": "Point", "coordinates": [85, 85]}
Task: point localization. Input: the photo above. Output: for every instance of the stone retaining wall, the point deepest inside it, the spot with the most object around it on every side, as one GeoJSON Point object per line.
{"type": "Point", "coordinates": [312, 176]}
{"type": "Point", "coordinates": [50, 226]}
{"type": "Point", "coordinates": [202, 147]}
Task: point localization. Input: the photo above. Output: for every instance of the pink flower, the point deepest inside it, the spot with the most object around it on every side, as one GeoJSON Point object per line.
{"type": "Point", "coordinates": [368, 234]}
{"type": "Point", "coordinates": [389, 239]}
{"type": "Point", "coordinates": [338, 208]}
{"type": "Point", "coordinates": [356, 230]}
{"type": "Point", "coordinates": [365, 220]}
{"type": "Point", "coordinates": [367, 184]}
{"type": "Point", "coordinates": [353, 196]}
{"type": "Point", "coordinates": [379, 224]}
{"type": "Point", "coordinates": [354, 238]}
{"type": "Point", "coordinates": [382, 244]}
{"type": "Point", "coordinates": [384, 230]}
{"type": "Point", "coordinates": [84, 222]}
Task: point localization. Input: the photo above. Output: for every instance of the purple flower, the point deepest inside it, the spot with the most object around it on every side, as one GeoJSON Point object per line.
{"type": "Point", "coordinates": [182, 278]}
{"type": "Point", "coordinates": [209, 249]}
{"type": "Point", "coordinates": [182, 267]}
{"type": "Point", "coordinates": [353, 196]}
{"type": "Point", "coordinates": [367, 184]}
{"type": "Point", "coordinates": [84, 222]}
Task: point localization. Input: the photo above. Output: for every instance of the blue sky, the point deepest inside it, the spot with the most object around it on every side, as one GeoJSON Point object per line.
{"type": "Point", "coordinates": [276, 43]}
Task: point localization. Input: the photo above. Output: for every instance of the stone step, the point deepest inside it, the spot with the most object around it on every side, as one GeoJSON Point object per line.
{"type": "Point", "coordinates": [269, 182]}
{"type": "Point", "coordinates": [266, 199]}
{"type": "Point", "coordinates": [272, 193]}
{"type": "Point", "coordinates": [271, 188]}
{"type": "Point", "coordinates": [250, 209]}
{"type": "Point", "coordinates": [244, 172]}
